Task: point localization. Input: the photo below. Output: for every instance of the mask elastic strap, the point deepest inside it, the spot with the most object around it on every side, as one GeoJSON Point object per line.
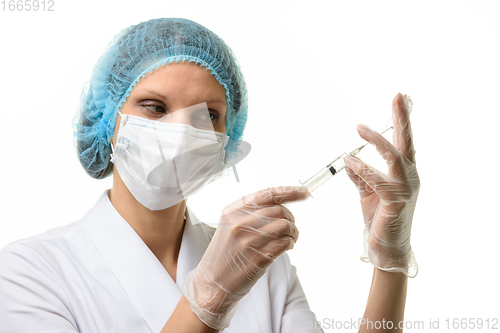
{"type": "Point", "coordinates": [113, 151]}
{"type": "Point", "coordinates": [112, 148]}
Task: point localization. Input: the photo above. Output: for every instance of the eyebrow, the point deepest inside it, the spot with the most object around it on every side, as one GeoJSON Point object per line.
{"type": "Point", "coordinates": [164, 97]}
{"type": "Point", "coordinates": [215, 101]}
{"type": "Point", "coordinates": [155, 93]}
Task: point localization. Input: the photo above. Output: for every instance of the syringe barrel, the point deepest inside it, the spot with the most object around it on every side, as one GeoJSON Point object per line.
{"type": "Point", "coordinates": [326, 173]}
{"type": "Point", "coordinates": [339, 163]}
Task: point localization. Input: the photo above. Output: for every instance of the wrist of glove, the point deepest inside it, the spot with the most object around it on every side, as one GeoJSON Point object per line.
{"type": "Point", "coordinates": [213, 305]}
{"type": "Point", "coordinates": [389, 257]}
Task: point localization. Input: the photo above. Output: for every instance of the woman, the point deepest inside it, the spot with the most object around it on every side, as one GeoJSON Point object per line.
{"type": "Point", "coordinates": [165, 113]}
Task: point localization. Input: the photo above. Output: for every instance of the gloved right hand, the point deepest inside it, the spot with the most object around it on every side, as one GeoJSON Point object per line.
{"type": "Point", "coordinates": [253, 231]}
{"type": "Point", "coordinates": [388, 200]}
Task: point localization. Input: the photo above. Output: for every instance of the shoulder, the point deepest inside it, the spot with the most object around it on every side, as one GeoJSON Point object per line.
{"type": "Point", "coordinates": [18, 260]}
{"type": "Point", "coordinates": [31, 297]}
{"type": "Point", "coordinates": [12, 252]}
{"type": "Point", "coordinates": [31, 248]}
{"type": "Point", "coordinates": [22, 268]}
{"type": "Point", "coordinates": [65, 232]}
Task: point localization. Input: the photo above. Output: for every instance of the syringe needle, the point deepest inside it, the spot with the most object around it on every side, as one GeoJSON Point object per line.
{"type": "Point", "coordinates": [357, 150]}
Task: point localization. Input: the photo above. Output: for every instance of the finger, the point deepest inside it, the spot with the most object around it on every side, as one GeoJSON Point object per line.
{"type": "Point", "coordinates": [276, 195]}
{"type": "Point", "coordinates": [389, 153]}
{"type": "Point", "coordinates": [276, 212]}
{"type": "Point", "coordinates": [274, 249]}
{"type": "Point", "coordinates": [269, 197]}
{"type": "Point", "coordinates": [403, 136]}
{"type": "Point", "coordinates": [244, 228]}
{"type": "Point", "coordinates": [266, 215]}
{"type": "Point", "coordinates": [251, 218]}
{"type": "Point", "coordinates": [258, 238]}
{"type": "Point", "coordinates": [372, 177]}
{"type": "Point", "coordinates": [280, 228]}
{"type": "Point", "coordinates": [363, 188]}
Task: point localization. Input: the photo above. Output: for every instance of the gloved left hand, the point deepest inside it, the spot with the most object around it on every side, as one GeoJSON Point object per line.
{"type": "Point", "coordinates": [388, 201]}
{"type": "Point", "coordinates": [253, 231]}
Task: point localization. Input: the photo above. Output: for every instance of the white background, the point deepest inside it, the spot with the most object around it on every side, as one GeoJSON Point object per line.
{"type": "Point", "coordinates": [314, 70]}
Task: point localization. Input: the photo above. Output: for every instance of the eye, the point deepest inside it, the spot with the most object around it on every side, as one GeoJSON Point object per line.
{"type": "Point", "coordinates": [214, 115]}
{"type": "Point", "coordinates": [155, 108]}
{"type": "Point", "coordinates": [203, 119]}
{"type": "Point", "coordinates": [204, 116]}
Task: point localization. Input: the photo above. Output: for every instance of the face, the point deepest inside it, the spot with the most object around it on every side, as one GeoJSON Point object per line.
{"type": "Point", "coordinates": [177, 86]}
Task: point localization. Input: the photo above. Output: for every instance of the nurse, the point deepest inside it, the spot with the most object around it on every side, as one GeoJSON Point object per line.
{"type": "Point", "coordinates": [164, 114]}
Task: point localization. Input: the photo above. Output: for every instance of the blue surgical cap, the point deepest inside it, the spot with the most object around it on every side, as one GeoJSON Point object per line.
{"type": "Point", "coordinates": [136, 51]}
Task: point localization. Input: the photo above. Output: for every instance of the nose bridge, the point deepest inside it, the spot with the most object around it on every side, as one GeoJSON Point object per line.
{"type": "Point", "coordinates": [181, 116]}
{"type": "Point", "coordinates": [196, 116]}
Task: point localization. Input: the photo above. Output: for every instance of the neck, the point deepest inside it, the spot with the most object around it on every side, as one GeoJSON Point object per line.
{"type": "Point", "coordinates": [160, 230]}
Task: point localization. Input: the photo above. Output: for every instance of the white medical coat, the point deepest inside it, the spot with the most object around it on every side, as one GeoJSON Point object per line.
{"type": "Point", "coordinates": [96, 275]}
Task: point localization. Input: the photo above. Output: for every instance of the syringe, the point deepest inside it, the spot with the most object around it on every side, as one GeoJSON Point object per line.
{"type": "Point", "coordinates": [338, 164]}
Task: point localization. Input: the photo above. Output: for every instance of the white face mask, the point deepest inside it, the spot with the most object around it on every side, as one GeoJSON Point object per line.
{"type": "Point", "coordinates": [164, 163]}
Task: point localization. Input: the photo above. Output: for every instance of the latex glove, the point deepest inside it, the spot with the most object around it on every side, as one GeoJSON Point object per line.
{"type": "Point", "coordinates": [253, 231]}
{"type": "Point", "coordinates": [388, 201]}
